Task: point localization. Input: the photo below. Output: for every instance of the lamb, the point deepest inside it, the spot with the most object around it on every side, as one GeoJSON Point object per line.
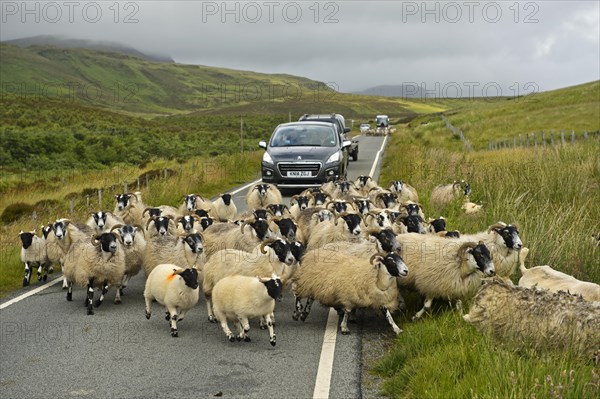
{"type": "Point", "coordinates": [229, 235]}
{"type": "Point", "coordinates": [546, 278]}
{"type": "Point", "coordinates": [340, 280]}
{"type": "Point", "coordinates": [174, 287]}
{"type": "Point", "coordinates": [273, 256]}
{"type": "Point", "coordinates": [102, 221]}
{"type": "Point", "coordinates": [504, 243]}
{"type": "Point", "coordinates": [98, 263]}
{"type": "Point", "coordinates": [134, 245]}
{"type": "Point", "coordinates": [444, 194]}
{"type": "Point", "coordinates": [329, 232]}
{"type": "Point", "coordinates": [405, 191]}
{"type": "Point", "coordinates": [224, 208]}
{"type": "Point", "coordinates": [239, 298]}
{"type": "Point", "coordinates": [442, 268]}
{"type": "Point", "coordinates": [541, 319]}
{"type": "Point", "coordinates": [33, 252]}
{"type": "Point", "coordinates": [263, 194]}
{"type": "Point", "coordinates": [185, 250]}
{"type": "Point", "coordinates": [130, 208]}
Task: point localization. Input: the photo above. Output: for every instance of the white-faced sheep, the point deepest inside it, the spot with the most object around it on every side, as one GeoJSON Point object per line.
{"type": "Point", "coordinates": [272, 256]}
{"type": "Point", "coordinates": [230, 235]}
{"type": "Point", "coordinates": [224, 208]}
{"type": "Point", "coordinates": [187, 251]}
{"type": "Point", "coordinates": [134, 245]}
{"type": "Point", "coordinates": [444, 194]}
{"type": "Point", "coordinates": [546, 278]}
{"type": "Point", "coordinates": [102, 221]}
{"type": "Point", "coordinates": [504, 243]}
{"type": "Point", "coordinates": [129, 208]}
{"type": "Point", "coordinates": [405, 191]}
{"type": "Point", "coordinates": [441, 268]}
{"type": "Point", "coordinates": [263, 194]}
{"type": "Point", "coordinates": [174, 287]}
{"type": "Point", "coordinates": [540, 319]}
{"type": "Point", "coordinates": [348, 229]}
{"type": "Point", "coordinates": [98, 263]}
{"type": "Point", "coordinates": [341, 280]}
{"type": "Point", "coordinates": [33, 253]}
{"type": "Point", "coordinates": [239, 298]}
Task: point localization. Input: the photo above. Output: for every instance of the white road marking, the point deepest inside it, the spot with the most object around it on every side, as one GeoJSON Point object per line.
{"type": "Point", "coordinates": [30, 293]}
{"type": "Point", "coordinates": [325, 370]}
{"type": "Point", "coordinates": [234, 192]}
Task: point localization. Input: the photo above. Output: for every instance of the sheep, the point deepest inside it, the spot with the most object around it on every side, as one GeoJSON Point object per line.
{"type": "Point", "coordinates": [364, 183]}
{"type": "Point", "coordinates": [278, 210]}
{"type": "Point", "coordinates": [471, 208]}
{"type": "Point", "coordinates": [239, 298]}
{"type": "Point", "coordinates": [441, 268]}
{"type": "Point", "coordinates": [539, 318]}
{"type": "Point", "coordinates": [405, 191]}
{"type": "Point", "coordinates": [134, 245]}
{"type": "Point", "coordinates": [98, 263]}
{"type": "Point", "coordinates": [102, 221]}
{"type": "Point", "coordinates": [174, 287]}
{"type": "Point", "coordinates": [546, 278]}
{"type": "Point", "coordinates": [444, 194]}
{"type": "Point", "coordinates": [332, 231]}
{"type": "Point", "coordinates": [161, 226]}
{"type": "Point", "coordinates": [381, 218]}
{"type": "Point", "coordinates": [33, 252]}
{"type": "Point", "coordinates": [362, 205]}
{"type": "Point", "coordinates": [345, 190]}
{"type": "Point", "coordinates": [339, 206]}
{"type": "Point", "coordinates": [129, 208]}
{"type": "Point", "coordinates": [385, 199]}
{"type": "Point", "coordinates": [340, 280]}
{"type": "Point", "coordinates": [263, 194]}
{"type": "Point", "coordinates": [224, 208]}
{"type": "Point", "coordinates": [382, 241]}
{"type": "Point", "coordinates": [438, 227]}
{"type": "Point", "coordinates": [311, 217]}
{"type": "Point", "coordinates": [299, 203]}
{"type": "Point", "coordinates": [205, 222]}
{"type": "Point", "coordinates": [170, 212]}
{"type": "Point", "coordinates": [288, 228]}
{"type": "Point", "coordinates": [191, 202]}
{"type": "Point", "coordinates": [187, 251]}
{"type": "Point", "coordinates": [272, 256]}
{"type": "Point", "coordinates": [185, 224]}
{"type": "Point", "coordinates": [409, 224]}
{"type": "Point", "coordinates": [230, 235]}
{"type": "Point", "coordinates": [504, 243]}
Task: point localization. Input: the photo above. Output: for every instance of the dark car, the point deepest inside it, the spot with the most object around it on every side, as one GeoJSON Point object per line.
{"type": "Point", "coordinates": [303, 154]}
{"type": "Point", "coordinates": [340, 123]}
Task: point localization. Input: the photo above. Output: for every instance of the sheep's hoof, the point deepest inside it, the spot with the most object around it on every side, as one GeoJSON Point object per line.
{"type": "Point", "coordinates": [273, 342]}
{"type": "Point", "coordinates": [303, 316]}
{"type": "Point", "coordinates": [295, 316]}
{"type": "Point", "coordinates": [168, 317]}
{"type": "Point", "coordinates": [174, 333]}
{"type": "Point", "coordinates": [97, 303]}
{"type": "Point", "coordinates": [345, 332]}
{"type": "Point", "coordinates": [238, 338]}
{"type": "Point", "coordinates": [39, 277]}
{"type": "Point", "coordinates": [212, 319]}
{"type": "Point", "coordinates": [263, 326]}
{"type": "Point", "coordinates": [45, 278]}
{"type": "Point", "coordinates": [69, 296]}
{"type": "Point", "coordinates": [121, 291]}
{"type": "Point", "coordinates": [148, 314]}
{"type": "Point", "coordinates": [247, 339]}
{"type": "Point", "coordinates": [90, 311]}
{"type": "Point", "coordinates": [25, 282]}
{"type": "Point", "coordinates": [51, 270]}
{"type": "Point", "coordinates": [231, 338]}
{"type": "Point", "coordinates": [117, 301]}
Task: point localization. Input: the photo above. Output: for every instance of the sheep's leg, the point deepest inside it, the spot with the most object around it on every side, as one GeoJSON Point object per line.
{"type": "Point", "coordinates": [104, 291]}
{"type": "Point", "coordinates": [69, 292]}
{"type": "Point", "coordinates": [352, 317]}
{"type": "Point", "coordinates": [270, 326]}
{"type": "Point", "coordinates": [27, 277]}
{"type": "Point", "coordinates": [39, 271]}
{"type": "Point", "coordinates": [263, 323]}
{"type": "Point", "coordinates": [90, 297]}
{"type": "Point", "coordinates": [344, 324]}
{"type": "Point", "coordinates": [226, 330]}
{"type": "Point", "coordinates": [148, 300]}
{"type": "Point", "coordinates": [124, 283]}
{"type": "Point", "coordinates": [181, 314]}
{"type": "Point", "coordinates": [391, 321]}
{"type": "Point", "coordinates": [47, 267]}
{"type": "Point", "coordinates": [299, 308]}
{"type": "Point", "coordinates": [306, 311]}
{"type": "Point", "coordinates": [426, 307]}
{"type": "Point", "coordinates": [211, 314]}
{"type": "Point", "coordinates": [240, 329]}
{"type": "Point", "coordinates": [174, 318]}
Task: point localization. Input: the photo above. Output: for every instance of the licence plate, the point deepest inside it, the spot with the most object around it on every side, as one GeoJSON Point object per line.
{"type": "Point", "coordinates": [299, 173]}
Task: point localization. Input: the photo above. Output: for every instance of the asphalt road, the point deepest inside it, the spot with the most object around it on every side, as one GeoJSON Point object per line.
{"type": "Point", "coordinates": [50, 348]}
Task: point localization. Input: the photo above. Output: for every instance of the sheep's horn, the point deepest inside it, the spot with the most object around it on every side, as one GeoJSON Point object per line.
{"type": "Point", "coordinates": [132, 195]}
{"type": "Point", "coordinates": [377, 255]}
{"type": "Point", "coordinates": [247, 221]}
{"type": "Point", "coordinates": [116, 226]}
{"type": "Point", "coordinates": [148, 222]}
{"type": "Point", "coordinates": [465, 247]}
{"type": "Point", "coordinates": [146, 210]}
{"type": "Point", "coordinates": [499, 225]}
{"type": "Point", "coordinates": [95, 241]}
{"type": "Point", "coordinates": [264, 244]}
{"type": "Point", "coordinates": [374, 188]}
{"type": "Point", "coordinates": [140, 228]}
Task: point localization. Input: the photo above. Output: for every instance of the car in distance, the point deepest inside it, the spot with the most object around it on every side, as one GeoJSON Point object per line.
{"type": "Point", "coordinates": [340, 124]}
{"type": "Point", "coordinates": [303, 154]}
{"type": "Point", "coordinates": [365, 127]}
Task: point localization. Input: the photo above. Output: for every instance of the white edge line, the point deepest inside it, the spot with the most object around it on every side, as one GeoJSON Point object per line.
{"type": "Point", "coordinates": [30, 293]}
{"type": "Point", "coordinates": [57, 280]}
{"type": "Point", "coordinates": [325, 370]}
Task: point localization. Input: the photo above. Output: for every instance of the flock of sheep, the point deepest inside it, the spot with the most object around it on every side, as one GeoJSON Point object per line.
{"type": "Point", "coordinates": [346, 244]}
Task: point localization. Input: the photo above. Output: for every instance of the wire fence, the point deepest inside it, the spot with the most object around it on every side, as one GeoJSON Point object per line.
{"type": "Point", "coordinates": [543, 138]}
{"type": "Point", "coordinates": [458, 133]}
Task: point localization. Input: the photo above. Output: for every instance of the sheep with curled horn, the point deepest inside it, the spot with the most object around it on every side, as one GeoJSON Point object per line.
{"type": "Point", "coordinates": [129, 207]}
{"type": "Point", "coordinates": [386, 199]}
{"type": "Point", "coordinates": [245, 236]}
{"type": "Point", "coordinates": [278, 210]}
{"type": "Point", "coordinates": [332, 231]}
{"type": "Point", "coordinates": [405, 191]}
{"type": "Point", "coordinates": [444, 194]}
{"type": "Point", "coordinates": [161, 226]}
{"type": "Point", "coordinates": [187, 224]}
{"type": "Point", "coordinates": [364, 183]}
{"type": "Point", "coordinates": [263, 194]}
{"type": "Point", "coordinates": [299, 203]}
{"type": "Point", "coordinates": [339, 206]}
{"type": "Point", "coordinates": [134, 246]}
{"type": "Point", "coordinates": [192, 202]}
{"type": "Point", "coordinates": [287, 227]}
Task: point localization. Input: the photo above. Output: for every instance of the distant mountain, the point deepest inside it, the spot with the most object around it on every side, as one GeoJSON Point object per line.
{"type": "Point", "coordinates": [63, 42]}
{"type": "Point", "coordinates": [403, 91]}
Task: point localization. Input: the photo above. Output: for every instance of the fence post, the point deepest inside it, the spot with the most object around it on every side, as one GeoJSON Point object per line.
{"type": "Point", "coordinates": [100, 197]}
{"type": "Point", "coordinates": [87, 201]}
{"type": "Point", "coordinates": [34, 216]}
{"type": "Point", "coordinates": [165, 172]}
{"type": "Point", "coordinates": [562, 136]}
{"type": "Point", "coordinates": [527, 140]}
{"type": "Point", "coordinates": [520, 141]}
{"type": "Point", "coordinates": [543, 138]}
{"type": "Point", "coordinates": [572, 136]}
{"type": "Point", "coordinates": [552, 138]}
{"type": "Point", "coordinates": [147, 181]}
{"type": "Point", "coordinates": [138, 183]}
{"type": "Point", "coordinates": [585, 135]}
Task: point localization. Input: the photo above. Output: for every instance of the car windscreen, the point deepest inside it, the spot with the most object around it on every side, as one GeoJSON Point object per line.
{"type": "Point", "coordinates": [302, 136]}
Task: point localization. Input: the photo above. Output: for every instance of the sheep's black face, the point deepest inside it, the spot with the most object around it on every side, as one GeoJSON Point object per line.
{"type": "Point", "coordinates": [324, 215]}
{"type": "Point", "coordinates": [187, 222]}
{"type": "Point", "coordinates": [340, 206]}
{"type": "Point", "coordinates": [362, 180]}
{"type": "Point", "coordinates": [388, 199]}
{"type": "Point", "coordinates": [483, 259]}
{"type": "Point", "coordinates": [467, 188]}
{"type": "Point", "coordinates": [226, 199]}
{"type": "Point", "coordinates": [122, 201]}
{"type": "Point", "coordinates": [320, 198]}
{"type": "Point", "coordinates": [353, 222]}
{"type": "Point", "coordinates": [393, 216]}
{"type": "Point", "coordinates": [154, 212]}
{"type": "Point", "coordinates": [194, 241]}
{"type": "Point", "coordinates": [395, 265]}
{"type": "Point", "coordinates": [162, 225]}
{"type": "Point", "coordinates": [190, 277]}
{"type": "Point", "coordinates": [108, 242]}
{"type": "Point", "coordinates": [511, 238]}
{"type": "Point", "coordinates": [397, 185]}
{"type": "Point", "coordinates": [452, 234]}
{"type": "Point", "coordinates": [262, 189]}
{"type": "Point", "coordinates": [26, 239]}
{"type": "Point", "coordinates": [274, 288]}
{"type": "Point", "coordinates": [277, 209]}
{"type": "Point", "coordinates": [190, 202]}
{"type": "Point", "coordinates": [438, 225]}
{"type": "Point", "coordinates": [344, 186]}
{"type": "Point", "coordinates": [382, 218]}
{"type": "Point", "coordinates": [412, 209]}
{"type": "Point", "coordinates": [205, 222]}
{"type": "Point", "coordinates": [59, 229]}
{"type": "Point", "coordinates": [283, 251]}
{"type": "Point", "coordinates": [387, 239]}
{"type": "Point", "coordinates": [260, 214]}
{"type": "Point", "coordinates": [302, 201]}
{"type": "Point", "coordinates": [99, 219]}
{"type": "Point", "coordinates": [46, 230]}
{"type": "Point", "coordinates": [288, 228]}
{"type": "Point", "coordinates": [201, 212]}
{"type": "Point", "coordinates": [128, 234]}
{"type": "Point", "coordinates": [363, 206]}
{"type": "Point", "coordinates": [297, 249]}
{"type": "Point", "coordinates": [414, 224]}
{"type": "Point", "coordinates": [261, 227]}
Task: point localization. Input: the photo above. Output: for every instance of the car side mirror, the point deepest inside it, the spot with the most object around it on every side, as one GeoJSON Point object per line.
{"type": "Point", "coordinates": [347, 130]}
{"type": "Point", "coordinates": [346, 143]}
{"type": "Point", "coordinates": [262, 144]}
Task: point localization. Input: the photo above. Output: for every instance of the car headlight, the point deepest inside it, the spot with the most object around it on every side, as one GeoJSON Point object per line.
{"type": "Point", "coordinates": [267, 158]}
{"type": "Point", "coordinates": [335, 157]}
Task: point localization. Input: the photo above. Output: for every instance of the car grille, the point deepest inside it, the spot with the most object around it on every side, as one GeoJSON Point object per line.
{"type": "Point", "coordinates": [313, 167]}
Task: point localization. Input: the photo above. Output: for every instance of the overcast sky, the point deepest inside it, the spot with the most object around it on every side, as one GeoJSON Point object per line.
{"type": "Point", "coordinates": [353, 44]}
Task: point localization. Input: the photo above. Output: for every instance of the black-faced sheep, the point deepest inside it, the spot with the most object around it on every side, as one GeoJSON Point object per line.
{"type": "Point", "coordinates": [129, 208]}
{"type": "Point", "coordinates": [102, 221]}
{"type": "Point", "coordinates": [263, 194]}
{"type": "Point", "coordinates": [33, 253]}
{"type": "Point", "coordinates": [229, 235]}
{"type": "Point", "coordinates": [224, 208]}
{"type": "Point", "coordinates": [444, 194]}
{"type": "Point", "coordinates": [134, 245]}
{"type": "Point", "coordinates": [187, 251]}
{"type": "Point", "coordinates": [336, 230]}
{"type": "Point", "coordinates": [405, 191]}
